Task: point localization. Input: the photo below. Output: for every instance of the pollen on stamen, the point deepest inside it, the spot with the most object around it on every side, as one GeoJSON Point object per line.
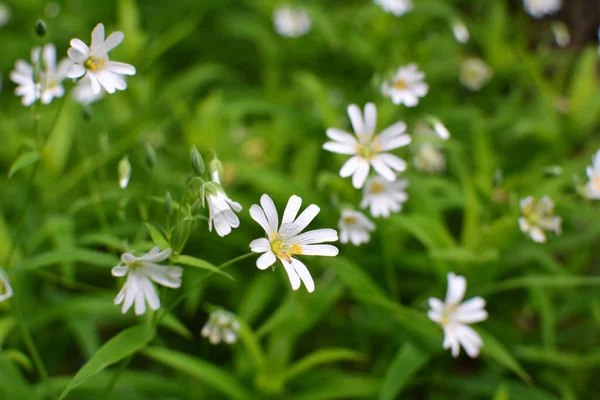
{"type": "Point", "coordinates": [94, 63]}
{"type": "Point", "coordinates": [295, 249]}
{"type": "Point", "coordinates": [400, 84]}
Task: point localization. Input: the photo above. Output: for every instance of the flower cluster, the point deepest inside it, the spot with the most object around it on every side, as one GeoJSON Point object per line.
{"type": "Point", "coordinates": [222, 326]}
{"type": "Point", "coordinates": [538, 216]}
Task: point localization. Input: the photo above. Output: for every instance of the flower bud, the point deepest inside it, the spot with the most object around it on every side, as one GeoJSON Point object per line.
{"type": "Point", "coordinates": [124, 172]}
{"type": "Point", "coordinates": [168, 204]}
{"type": "Point", "coordinates": [216, 169]}
{"type": "Point", "coordinates": [196, 207]}
{"type": "Point", "coordinates": [197, 161]}
{"type": "Point", "coordinates": [41, 28]}
{"type": "Point", "coordinates": [150, 156]}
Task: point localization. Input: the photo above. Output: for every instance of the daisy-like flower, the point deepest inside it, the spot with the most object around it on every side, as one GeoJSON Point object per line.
{"type": "Point", "coordinates": [6, 291]}
{"type": "Point", "coordinates": [384, 197]}
{"type": "Point", "coordinates": [396, 7]}
{"type": "Point", "coordinates": [93, 62]}
{"type": "Point", "coordinates": [406, 87]}
{"type": "Point", "coordinates": [48, 83]}
{"type": "Point", "coordinates": [141, 271]}
{"type": "Point", "coordinates": [291, 21]}
{"type": "Point", "coordinates": [355, 227]}
{"type": "Point", "coordinates": [474, 73]}
{"type": "Point", "coordinates": [538, 215]}
{"type": "Point", "coordinates": [220, 207]}
{"type": "Point", "coordinates": [539, 8]}
{"type": "Point", "coordinates": [592, 188]}
{"type": "Point", "coordinates": [454, 317]}
{"type": "Point", "coordinates": [285, 241]}
{"type": "Point", "coordinates": [221, 326]}
{"type": "Point", "coordinates": [366, 149]}
{"type": "Point", "coordinates": [429, 159]}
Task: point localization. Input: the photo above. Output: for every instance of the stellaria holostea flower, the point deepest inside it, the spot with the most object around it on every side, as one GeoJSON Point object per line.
{"type": "Point", "coordinates": [286, 241]}
{"type": "Point", "coordinates": [406, 87]}
{"type": "Point", "coordinates": [455, 316]}
{"type": "Point", "coordinates": [291, 21]}
{"type": "Point", "coordinates": [366, 148]}
{"type": "Point", "coordinates": [355, 227]}
{"type": "Point", "coordinates": [539, 8]}
{"type": "Point", "coordinates": [460, 31]}
{"type": "Point", "coordinates": [221, 326]}
{"type": "Point", "coordinates": [93, 61]}
{"type": "Point", "coordinates": [538, 215]}
{"type": "Point", "coordinates": [429, 159]}
{"type": "Point", "coordinates": [141, 271]}
{"type": "Point", "coordinates": [221, 208]}
{"type": "Point", "coordinates": [384, 197]}
{"type": "Point", "coordinates": [474, 73]}
{"type": "Point", "coordinates": [6, 291]}
{"type": "Point", "coordinates": [396, 7]}
{"type": "Point", "coordinates": [46, 84]}
{"type": "Point", "coordinates": [592, 188]}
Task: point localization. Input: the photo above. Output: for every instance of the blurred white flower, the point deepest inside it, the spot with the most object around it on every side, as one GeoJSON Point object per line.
{"type": "Point", "coordinates": [291, 21]}
{"type": "Point", "coordinates": [384, 197]}
{"type": "Point", "coordinates": [592, 188]}
{"type": "Point", "coordinates": [221, 326]}
{"type": "Point", "coordinates": [538, 215]}
{"type": "Point", "coordinates": [429, 159]}
{"type": "Point", "coordinates": [441, 129]}
{"type": "Point", "coordinates": [124, 170]}
{"type": "Point", "coordinates": [460, 31]}
{"type": "Point", "coordinates": [6, 291]}
{"type": "Point", "coordinates": [47, 83]}
{"type": "Point", "coordinates": [562, 37]}
{"type": "Point", "coordinates": [366, 149]}
{"type": "Point", "coordinates": [4, 14]}
{"type": "Point", "coordinates": [355, 227]}
{"type": "Point", "coordinates": [141, 271]}
{"type": "Point", "coordinates": [93, 62]}
{"type": "Point", "coordinates": [396, 7]}
{"type": "Point", "coordinates": [539, 8]}
{"type": "Point", "coordinates": [474, 73]}
{"type": "Point", "coordinates": [454, 317]}
{"type": "Point", "coordinates": [220, 207]}
{"type": "Point", "coordinates": [286, 241]}
{"type": "Point", "coordinates": [83, 93]}
{"type": "Point", "coordinates": [406, 87]}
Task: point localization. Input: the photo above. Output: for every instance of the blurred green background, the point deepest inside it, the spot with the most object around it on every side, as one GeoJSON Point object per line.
{"type": "Point", "coordinates": [215, 74]}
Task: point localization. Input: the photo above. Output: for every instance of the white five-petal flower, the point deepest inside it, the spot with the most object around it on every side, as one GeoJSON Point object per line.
{"type": "Point", "coordinates": [6, 291]}
{"type": "Point", "coordinates": [221, 326]}
{"type": "Point", "coordinates": [355, 227]}
{"type": "Point", "coordinates": [474, 73]}
{"type": "Point", "coordinates": [539, 8]}
{"type": "Point", "coordinates": [93, 61]}
{"type": "Point", "coordinates": [141, 271]}
{"type": "Point", "coordinates": [406, 87]}
{"type": "Point", "coordinates": [396, 7]}
{"type": "Point", "coordinates": [538, 215]}
{"type": "Point", "coordinates": [285, 241]}
{"type": "Point", "coordinates": [384, 197]}
{"type": "Point", "coordinates": [291, 21]}
{"type": "Point", "coordinates": [592, 188]}
{"type": "Point", "coordinates": [366, 148]}
{"type": "Point", "coordinates": [455, 316]}
{"type": "Point", "coordinates": [221, 208]}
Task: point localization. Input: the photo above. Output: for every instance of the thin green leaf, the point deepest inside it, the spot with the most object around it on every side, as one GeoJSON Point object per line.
{"type": "Point", "coordinates": [84, 256]}
{"type": "Point", "coordinates": [408, 360]}
{"type": "Point", "coordinates": [157, 237]}
{"type": "Point", "coordinates": [24, 161]}
{"type": "Point", "coordinates": [496, 351]}
{"type": "Point", "coordinates": [12, 385]}
{"type": "Point", "coordinates": [321, 357]}
{"type": "Point", "coordinates": [123, 345]}
{"type": "Point", "coordinates": [202, 264]}
{"type": "Point", "coordinates": [502, 393]}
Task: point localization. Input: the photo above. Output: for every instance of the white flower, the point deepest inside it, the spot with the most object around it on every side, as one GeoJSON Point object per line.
{"type": "Point", "coordinates": [355, 227]}
{"type": "Point", "coordinates": [287, 240]}
{"type": "Point", "coordinates": [4, 14]}
{"type": "Point", "coordinates": [291, 21]}
{"type": "Point", "coordinates": [93, 62]}
{"type": "Point", "coordinates": [221, 326]}
{"type": "Point", "coordinates": [366, 149]}
{"type": "Point", "coordinates": [48, 84]}
{"type": "Point", "coordinates": [429, 159]}
{"type": "Point", "coordinates": [562, 37]}
{"type": "Point", "coordinates": [220, 208]}
{"type": "Point", "coordinates": [384, 197]}
{"type": "Point", "coordinates": [406, 87]}
{"type": "Point", "coordinates": [474, 73]}
{"type": "Point", "coordinates": [538, 215]}
{"type": "Point", "coordinates": [141, 271]}
{"type": "Point", "coordinates": [454, 317]}
{"type": "Point", "coordinates": [539, 8]}
{"type": "Point", "coordinates": [592, 188]}
{"type": "Point", "coordinates": [460, 32]}
{"type": "Point", "coordinates": [396, 7]}
{"type": "Point", "coordinates": [441, 129]}
{"type": "Point", "coordinates": [6, 291]}
{"type": "Point", "coordinates": [83, 93]}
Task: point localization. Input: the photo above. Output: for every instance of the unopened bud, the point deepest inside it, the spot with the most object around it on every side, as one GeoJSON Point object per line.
{"type": "Point", "coordinates": [41, 28]}
{"type": "Point", "coordinates": [197, 161]}
{"type": "Point", "coordinates": [196, 207]}
{"type": "Point", "coordinates": [151, 158]}
{"type": "Point", "coordinates": [124, 172]}
{"type": "Point", "coordinates": [216, 169]}
{"type": "Point", "coordinates": [168, 204]}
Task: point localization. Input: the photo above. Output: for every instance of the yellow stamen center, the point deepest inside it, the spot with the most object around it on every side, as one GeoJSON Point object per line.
{"type": "Point", "coordinates": [400, 84]}
{"type": "Point", "coordinates": [376, 188]}
{"type": "Point", "coordinates": [367, 147]}
{"type": "Point", "coordinates": [94, 63]}
{"type": "Point", "coordinates": [349, 220]}
{"type": "Point", "coordinates": [282, 249]}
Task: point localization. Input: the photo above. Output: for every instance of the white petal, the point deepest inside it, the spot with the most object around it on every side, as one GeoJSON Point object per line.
{"type": "Point", "coordinates": [341, 136]}
{"type": "Point", "coordinates": [292, 274]}
{"type": "Point", "coordinates": [316, 236]}
{"type": "Point", "coordinates": [266, 260]}
{"type": "Point", "coordinates": [258, 215]}
{"type": "Point", "coordinates": [537, 235]}
{"type": "Point", "coordinates": [81, 47]}
{"type": "Point", "coordinates": [382, 169]}
{"type": "Point", "coordinates": [361, 173]}
{"type": "Point", "coordinates": [393, 142]}
{"type": "Point", "coordinates": [326, 250]}
{"type": "Point", "coordinates": [113, 40]}
{"type": "Point", "coordinates": [340, 148]}
{"type": "Point", "coordinates": [270, 212]}
{"type": "Point", "coordinates": [457, 286]}
{"type": "Point", "coordinates": [291, 210]}
{"type": "Point", "coordinates": [98, 39]}
{"type": "Point", "coordinates": [350, 166]}
{"type": "Point", "coordinates": [151, 295]}
{"type": "Point", "coordinates": [356, 118]}
{"type": "Point", "coordinates": [75, 71]}
{"type": "Point", "coordinates": [166, 276]}
{"type": "Point", "coordinates": [119, 270]}
{"type": "Point", "coordinates": [303, 220]}
{"type": "Point", "coordinates": [304, 274]}
{"type": "Point", "coordinates": [106, 79]}
{"type": "Point", "coordinates": [260, 245]}
{"type": "Point", "coordinates": [393, 161]}
{"type": "Point", "coordinates": [370, 118]}
{"type": "Point", "coordinates": [121, 68]}
{"type": "Point", "coordinates": [436, 304]}
{"type": "Point", "coordinates": [50, 56]}
{"type": "Point", "coordinates": [96, 88]}
{"type": "Point", "coordinates": [469, 339]}
{"type": "Point", "coordinates": [156, 255]}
